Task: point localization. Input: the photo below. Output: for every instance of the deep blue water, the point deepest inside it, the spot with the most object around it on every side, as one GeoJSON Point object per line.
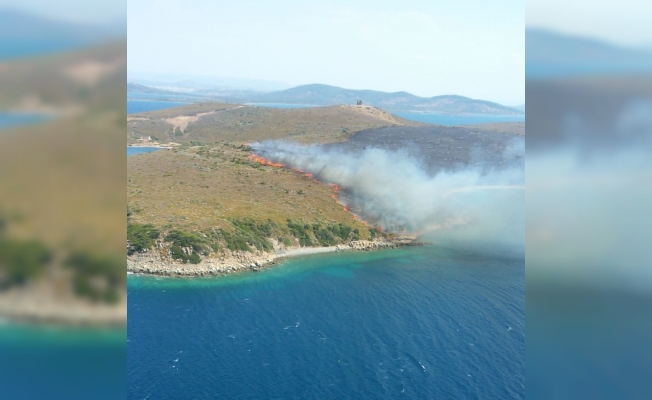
{"type": "Point", "coordinates": [417, 323]}
{"type": "Point", "coordinates": [137, 106]}
{"type": "Point", "coordinates": [140, 150]}
{"type": "Point", "coordinates": [454, 120]}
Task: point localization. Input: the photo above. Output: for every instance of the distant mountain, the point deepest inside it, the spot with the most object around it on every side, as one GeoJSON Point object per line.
{"type": "Point", "coordinates": [141, 89]}
{"type": "Point", "coordinates": [319, 94]}
{"type": "Point", "coordinates": [550, 54]}
{"type": "Point", "coordinates": [23, 35]}
{"type": "Point", "coordinates": [135, 90]}
{"type": "Point", "coordinates": [325, 95]}
{"type": "Point", "coordinates": [520, 108]}
{"type": "Point", "coordinates": [196, 83]}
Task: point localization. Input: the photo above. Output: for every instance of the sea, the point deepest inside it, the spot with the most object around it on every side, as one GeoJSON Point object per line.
{"type": "Point", "coordinates": [131, 151]}
{"type": "Point", "coordinates": [14, 119]}
{"type": "Point", "coordinates": [416, 323]}
{"type": "Point", "coordinates": [50, 362]}
{"type": "Point", "coordinates": [143, 105]}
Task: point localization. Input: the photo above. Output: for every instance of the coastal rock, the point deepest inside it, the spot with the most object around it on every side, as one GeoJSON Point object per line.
{"type": "Point", "coordinates": [158, 262]}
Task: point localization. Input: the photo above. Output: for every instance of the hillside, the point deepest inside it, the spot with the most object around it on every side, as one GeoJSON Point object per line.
{"type": "Point", "coordinates": [66, 83]}
{"type": "Point", "coordinates": [133, 88]}
{"type": "Point", "coordinates": [215, 122]}
{"type": "Point", "coordinates": [399, 101]}
{"type": "Point", "coordinates": [62, 226]}
{"type": "Point", "coordinates": [215, 206]}
{"type": "Point", "coordinates": [201, 187]}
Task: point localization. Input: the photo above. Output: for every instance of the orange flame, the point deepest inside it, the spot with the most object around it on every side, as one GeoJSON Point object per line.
{"type": "Point", "coordinates": [336, 188]}
{"type": "Point", "coordinates": [264, 161]}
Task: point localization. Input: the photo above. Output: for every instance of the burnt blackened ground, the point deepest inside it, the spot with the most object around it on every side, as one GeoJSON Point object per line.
{"type": "Point", "coordinates": [444, 147]}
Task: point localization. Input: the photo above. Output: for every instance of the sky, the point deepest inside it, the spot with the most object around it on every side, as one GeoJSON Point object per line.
{"type": "Point", "coordinates": [428, 48]}
{"type": "Point", "coordinates": [621, 22]}
{"type": "Point", "coordinates": [78, 11]}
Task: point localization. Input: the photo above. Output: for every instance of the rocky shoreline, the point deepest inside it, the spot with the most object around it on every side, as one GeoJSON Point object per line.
{"type": "Point", "coordinates": [43, 304]}
{"type": "Point", "coordinates": [229, 262]}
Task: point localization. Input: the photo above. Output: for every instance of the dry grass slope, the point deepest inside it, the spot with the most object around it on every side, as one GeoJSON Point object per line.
{"type": "Point", "coordinates": [62, 225]}
{"type": "Point", "coordinates": [241, 123]}
{"type": "Point", "coordinates": [203, 187]}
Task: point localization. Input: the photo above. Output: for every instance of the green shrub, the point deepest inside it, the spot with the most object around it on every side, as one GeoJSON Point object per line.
{"type": "Point", "coordinates": [301, 232]}
{"type": "Point", "coordinates": [21, 261]}
{"type": "Point", "coordinates": [341, 230]}
{"type": "Point", "coordinates": [187, 239]}
{"type": "Point", "coordinates": [87, 267]}
{"type": "Point", "coordinates": [376, 232]}
{"type": "Point", "coordinates": [192, 240]}
{"type": "Point", "coordinates": [140, 237]}
{"type": "Point", "coordinates": [248, 232]}
{"type": "Point", "coordinates": [325, 237]}
{"type": "Point", "coordinates": [176, 253]}
{"type": "Point", "coordinates": [235, 242]}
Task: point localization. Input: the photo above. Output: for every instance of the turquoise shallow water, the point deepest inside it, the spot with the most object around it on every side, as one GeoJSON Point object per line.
{"type": "Point", "coordinates": [131, 151]}
{"type": "Point", "coordinates": [411, 323]}
{"type": "Point", "coordinates": [40, 362]}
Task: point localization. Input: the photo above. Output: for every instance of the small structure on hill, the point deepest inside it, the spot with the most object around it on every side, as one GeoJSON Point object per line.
{"type": "Point", "coordinates": [359, 102]}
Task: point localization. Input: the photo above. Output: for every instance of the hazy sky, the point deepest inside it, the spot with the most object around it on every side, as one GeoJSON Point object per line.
{"type": "Point", "coordinates": [623, 22]}
{"type": "Point", "coordinates": [81, 11]}
{"type": "Point", "coordinates": [471, 48]}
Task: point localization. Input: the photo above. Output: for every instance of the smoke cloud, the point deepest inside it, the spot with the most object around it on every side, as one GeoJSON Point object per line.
{"type": "Point", "coordinates": [395, 191]}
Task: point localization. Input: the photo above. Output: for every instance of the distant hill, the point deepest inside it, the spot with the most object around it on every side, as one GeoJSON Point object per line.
{"type": "Point", "coordinates": [23, 35]}
{"type": "Point", "coordinates": [215, 122]}
{"type": "Point", "coordinates": [326, 95]}
{"type": "Point", "coordinates": [136, 88]}
{"type": "Point", "coordinates": [137, 91]}
{"type": "Point", "coordinates": [551, 54]}
{"type": "Point", "coordinates": [196, 83]}
{"type": "Point", "coordinates": [319, 94]}
{"type": "Point", "coordinates": [520, 108]}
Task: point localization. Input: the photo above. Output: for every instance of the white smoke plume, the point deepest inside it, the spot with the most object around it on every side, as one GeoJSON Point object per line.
{"type": "Point", "coordinates": [395, 191]}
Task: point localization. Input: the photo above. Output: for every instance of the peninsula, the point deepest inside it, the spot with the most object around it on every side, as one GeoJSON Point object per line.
{"type": "Point", "coordinates": [210, 206]}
